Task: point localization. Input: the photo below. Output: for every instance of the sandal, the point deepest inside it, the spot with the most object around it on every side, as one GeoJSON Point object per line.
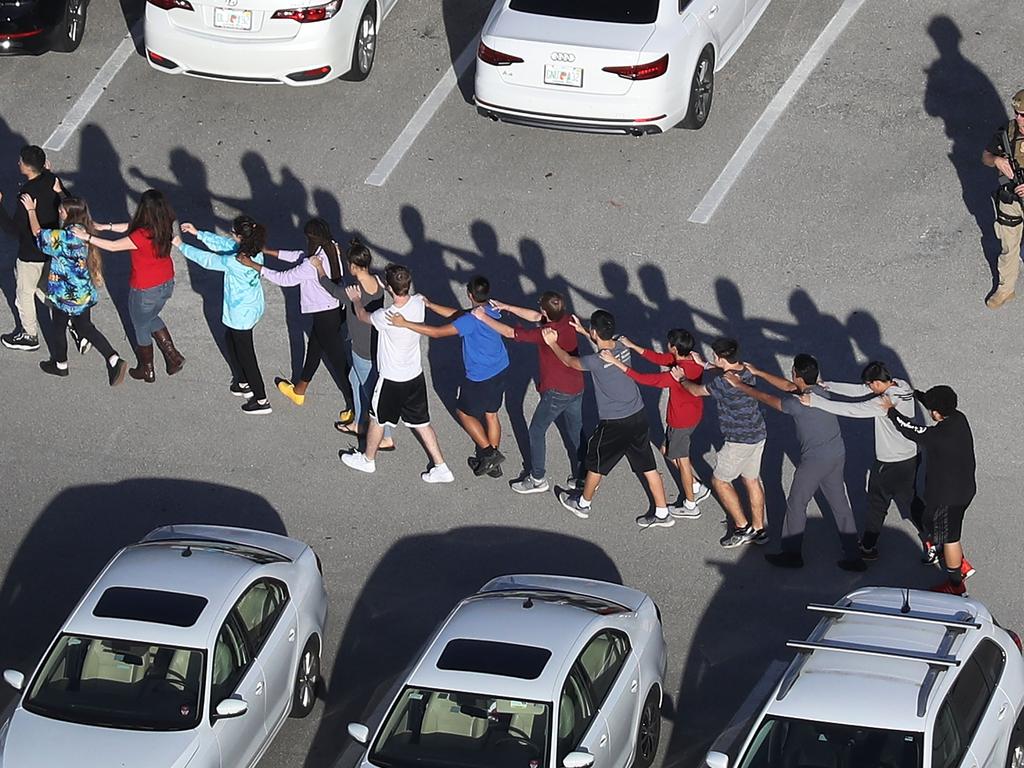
{"type": "Point", "coordinates": [346, 428]}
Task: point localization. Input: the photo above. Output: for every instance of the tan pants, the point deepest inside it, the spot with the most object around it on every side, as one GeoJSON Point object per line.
{"type": "Point", "coordinates": [31, 278]}
{"type": "Point", "coordinates": [1009, 238]}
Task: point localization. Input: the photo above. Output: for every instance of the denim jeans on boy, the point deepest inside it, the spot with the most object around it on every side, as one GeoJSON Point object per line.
{"type": "Point", "coordinates": [363, 377]}
{"type": "Point", "coordinates": [144, 308]}
{"type": "Point", "coordinates": [552, 405]}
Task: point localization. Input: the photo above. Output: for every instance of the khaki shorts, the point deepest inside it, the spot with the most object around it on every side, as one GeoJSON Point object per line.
{"type": "Point", "coordinates": [739, 460]}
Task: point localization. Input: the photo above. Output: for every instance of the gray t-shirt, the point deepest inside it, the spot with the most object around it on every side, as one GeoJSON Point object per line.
{"type": "Point", "coordinates": [817, 430]}
{"type": "Point", "coordinates": [616, 394]}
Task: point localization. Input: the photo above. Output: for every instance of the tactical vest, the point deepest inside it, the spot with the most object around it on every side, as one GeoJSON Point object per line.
{"type": "Point", "coordinates": [1016, 142]}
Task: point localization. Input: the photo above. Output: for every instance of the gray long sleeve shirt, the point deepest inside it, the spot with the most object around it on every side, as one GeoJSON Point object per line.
{"type": "Point", "coordinates": [890, 445]}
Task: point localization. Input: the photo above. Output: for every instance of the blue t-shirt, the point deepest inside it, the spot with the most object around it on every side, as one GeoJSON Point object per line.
{"type": "Point", "coordinates": [483, 350]}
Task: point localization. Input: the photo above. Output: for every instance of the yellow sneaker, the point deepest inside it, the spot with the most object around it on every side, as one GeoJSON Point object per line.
{"type": "Point", "coordinates": [286, 388]}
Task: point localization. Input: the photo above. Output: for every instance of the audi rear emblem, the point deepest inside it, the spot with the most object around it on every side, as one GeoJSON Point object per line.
{"type": "Point", "coordinates": [559, 56]}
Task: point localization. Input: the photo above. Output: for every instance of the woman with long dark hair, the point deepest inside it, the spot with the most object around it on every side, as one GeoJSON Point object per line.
{"type": "Point", "coordinates": [151, 282]}
{"type": "Point", "coordinates": [76, 269]}
{"type": "Point", "coordinates": [327, 313]}
{"type": "Point", "coordinates": [243, 299]}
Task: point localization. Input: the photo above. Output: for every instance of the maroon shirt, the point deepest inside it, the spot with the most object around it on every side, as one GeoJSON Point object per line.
{"type": "Point", "coordinates": [554, 375]}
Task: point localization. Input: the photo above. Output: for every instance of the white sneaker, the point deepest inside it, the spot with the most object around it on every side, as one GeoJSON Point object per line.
{"type": "Point", "coordinates": [438, 474]}
{"type": "Point", "coordinates": [700, 491]}
{"type": "Point", "coordinates": [359, 461]}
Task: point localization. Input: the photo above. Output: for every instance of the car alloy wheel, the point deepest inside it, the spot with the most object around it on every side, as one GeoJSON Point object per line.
{"type": "Point", "coordinates": [75, 21]}
{"type": "Point", "coordinates": [648, 732]}
{"type": "Point", "coordinates": [307, 680]}
{"type": "Point", "coordinates": [1016, 756]}
{"type": "Point", "coordinates": [702, 91]}
{"type": "Point", "coordinates": [366, 42]}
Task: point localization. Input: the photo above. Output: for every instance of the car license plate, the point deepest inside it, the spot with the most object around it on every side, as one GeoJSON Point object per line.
{"type": "Point", "coordinates": [561, 74]}
{"type": "Point", "coordinates": [230, 18]}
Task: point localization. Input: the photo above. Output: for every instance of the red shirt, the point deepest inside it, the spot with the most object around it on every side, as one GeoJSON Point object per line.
{"type": "Point", "coordinates": [684, 410]}
{"type": "Point", "coordinates": [148, 268]}
{"type": "Point", "coordinates": [554, 375]}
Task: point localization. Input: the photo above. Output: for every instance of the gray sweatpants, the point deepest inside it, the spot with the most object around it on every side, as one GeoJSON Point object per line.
{"type": "Point", "coordinates": [811, 476]}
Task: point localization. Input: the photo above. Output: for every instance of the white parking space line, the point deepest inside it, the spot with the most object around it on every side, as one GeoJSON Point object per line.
{"type": "Point", "coordinates": [423, 115]}
{"type": "Point", "coordinates": [81, 108]}
{"type": "Point", "coordinates": [708, 205]}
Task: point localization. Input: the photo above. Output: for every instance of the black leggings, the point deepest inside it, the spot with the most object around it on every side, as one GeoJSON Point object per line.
{"type": "Point", "coordinates": [245, 369]}
{"type": "Point", "coordinates": [325, 341]}
{"type": "Point", "coordinates": [82, 323]}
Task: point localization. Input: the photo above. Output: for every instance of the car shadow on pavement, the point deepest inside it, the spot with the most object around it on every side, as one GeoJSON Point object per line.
{"type": "Point", "coordinates": [412, 588]}
{"type": "Point", "coordinates": [81, 529]}
{"type": "Point", "coordinates": [462, 22]}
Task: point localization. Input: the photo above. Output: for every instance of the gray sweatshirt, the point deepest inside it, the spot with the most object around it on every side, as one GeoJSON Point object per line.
{"type": "Point", "coordinates": [890, 445]}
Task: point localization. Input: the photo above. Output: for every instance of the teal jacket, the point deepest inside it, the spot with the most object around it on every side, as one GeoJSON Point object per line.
{"type": "Point", "coordinates": [243, 291]}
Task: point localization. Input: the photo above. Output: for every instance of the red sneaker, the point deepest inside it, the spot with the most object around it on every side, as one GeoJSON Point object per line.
{"type": "Point", "coordinates": [966, 569]}
{"type": "Point", "coordinates": [949, 588]}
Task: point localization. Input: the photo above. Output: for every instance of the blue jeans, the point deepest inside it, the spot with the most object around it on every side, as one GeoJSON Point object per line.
{"type": "Point", "coordinates": [552, 405]}
{"type": "Point", "coordinates": [363, 377]}
{"type": "Point", "coordinates": [144, 309]}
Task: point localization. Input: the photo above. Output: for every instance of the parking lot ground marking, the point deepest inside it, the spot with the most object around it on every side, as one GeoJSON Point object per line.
{"type": "Point", "coordinates": [81, 108]}
{"type": "Point", "coordinates": [422, 117]}
{"type": "Point", "coordinates": [712, 199]}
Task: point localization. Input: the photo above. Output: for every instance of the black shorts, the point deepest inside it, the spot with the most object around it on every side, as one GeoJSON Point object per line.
{"type": "Point", "coordinates": [479, 397]}
{"type": "Point", "coordinates": [615, 438]}
{"type": "Point", "coordinates": [944, 524]}
{"type": "Point", "coordinates": [395, 401]}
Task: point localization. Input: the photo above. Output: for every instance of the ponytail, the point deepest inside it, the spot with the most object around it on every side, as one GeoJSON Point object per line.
{"type": "Point", "coordinates": [252, 235]}
{"type": "Point", "coordinates": [319, 238]}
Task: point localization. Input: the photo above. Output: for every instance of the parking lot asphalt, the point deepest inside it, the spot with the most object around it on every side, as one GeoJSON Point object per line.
{"type": "Point", "coordinates": [859, 230]}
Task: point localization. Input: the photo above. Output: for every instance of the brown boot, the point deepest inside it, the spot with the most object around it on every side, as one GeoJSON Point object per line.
{"type": "Point", "coordinates": [144, 370]}
{"type": "Point", "coordinates": [174, 360]}
{"type": "Point", "coordinates": [1000, 297]}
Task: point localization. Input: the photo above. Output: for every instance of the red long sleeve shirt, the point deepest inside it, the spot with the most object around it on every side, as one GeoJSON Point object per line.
{"type": "Point", "coordinates": [684, 410]}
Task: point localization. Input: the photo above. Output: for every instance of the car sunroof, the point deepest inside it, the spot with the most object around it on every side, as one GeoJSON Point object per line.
{"type": "Point", "coordinates": [491, 658]}
{"type": "Point", "coordinates": [149, 605]}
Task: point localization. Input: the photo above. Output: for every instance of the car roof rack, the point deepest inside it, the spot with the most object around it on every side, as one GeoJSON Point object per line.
{"type": "Point", "coordinates": [938, 661]}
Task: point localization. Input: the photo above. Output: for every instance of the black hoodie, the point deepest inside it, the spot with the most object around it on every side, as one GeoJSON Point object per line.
{"type": "Point", "coordinates": [47, 202]}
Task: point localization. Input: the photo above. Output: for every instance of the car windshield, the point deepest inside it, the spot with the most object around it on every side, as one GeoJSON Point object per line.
{"type": "Point", "coordinates": [614, 11]}
{"type": "Point", "coordinates": [781, 742]}
{"type": "Point", "coordinates": [442, 729]}
{"type": "Point", "coordinates": [119, 684]}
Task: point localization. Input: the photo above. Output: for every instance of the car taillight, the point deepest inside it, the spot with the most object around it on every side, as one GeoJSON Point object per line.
{"type": "Point", "coordinates": [641, 71]}
{"type": "Point", "coordinates": [496, 58]}
{"type": "Point", "coordinates": [169, 5]}
{"type": "Point", "coordinates": [308, 15]}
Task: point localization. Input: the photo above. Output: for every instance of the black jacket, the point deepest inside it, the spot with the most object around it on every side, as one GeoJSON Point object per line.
{"type": "Point", "coordinates": [949, 446]}
{"type": "Point", "coordinates": [47, 202]}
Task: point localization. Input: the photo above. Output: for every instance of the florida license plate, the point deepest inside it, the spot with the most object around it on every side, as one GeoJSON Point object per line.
{"type": "Point", "coordinates": [230, 18]}
{"type": "Point", "coordinates": [562, 74]}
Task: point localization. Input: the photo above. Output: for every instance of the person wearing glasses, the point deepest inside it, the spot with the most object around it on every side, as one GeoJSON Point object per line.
{"type": "Point", "coordinates": [1009, 212]}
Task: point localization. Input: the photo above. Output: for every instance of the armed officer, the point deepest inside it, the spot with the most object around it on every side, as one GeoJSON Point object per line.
{"type": "Point", "coordinates": [1005, 153]}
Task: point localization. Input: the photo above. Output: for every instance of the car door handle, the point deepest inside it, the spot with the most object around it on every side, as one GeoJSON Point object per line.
{"type": "Point", "coordinates": [713, 12]}
{"type": "Point", "coordinates": [259, 689]}
{"type": "Point", "coordinates": [604, 740]}
{"type": "Point", "coordinates": [1002, 711]}
{"type": "Point", "coordinates": [633, 686]}
{"type": "Point", "coordinates": [291, 635]}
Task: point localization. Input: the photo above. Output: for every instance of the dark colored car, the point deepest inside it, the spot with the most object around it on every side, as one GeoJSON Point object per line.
{"type": "Point", "coordinates": [37, 26]}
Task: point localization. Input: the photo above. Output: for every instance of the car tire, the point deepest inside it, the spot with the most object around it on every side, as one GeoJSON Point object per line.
{"type": "Point", "coordinates": [364, 49]}
{"type": "Point", "coordinates": [1015, 754]}
{"type": "Point", "coordinates": [307, 679]}
{"type": "Point", "coordinates": [648, 730]}
{"type": "Point", "coordinates": [702, 91]}
{"type": "Point", "coordinates": [68, 34]}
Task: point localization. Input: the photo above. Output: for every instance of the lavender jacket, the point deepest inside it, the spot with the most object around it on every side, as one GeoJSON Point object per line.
{"type": "Point", "coordinates": [312, 297]}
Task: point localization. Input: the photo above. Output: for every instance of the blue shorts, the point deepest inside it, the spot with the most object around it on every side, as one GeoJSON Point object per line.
{"type": "Point", "coordinates": [477, 398]}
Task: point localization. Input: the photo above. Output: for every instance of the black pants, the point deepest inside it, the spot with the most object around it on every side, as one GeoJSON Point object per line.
{"type": "Point", "coordinates": [890, 482]}
{"type": "Point", "coordinates": [82, 325]}
{"type": "Point", "coordinates": [245, 368]}
{"type": "Point", "coordinates": [325, 341]}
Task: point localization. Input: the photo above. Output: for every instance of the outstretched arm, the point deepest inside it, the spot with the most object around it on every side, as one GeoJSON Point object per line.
{"type": "Point", "coordinates": [121, 244]}
{"type": "Point", "coordinates": [772, 401]}
{"type": "Point", "coordinates": [430, 331]}
{"type": "Point", "coordinates": [917, 433]}
{"type": "Point", "coordinates": [495, 325]}
{"type": "Point", "coordinates": [448, 313]}
{"type": "Point", "coordinates": [784, 385]}
{"type": "Point", "coordinates": [529, 315]}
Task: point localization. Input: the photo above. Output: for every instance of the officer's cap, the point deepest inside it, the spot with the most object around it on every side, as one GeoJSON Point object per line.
{"type": "Point", "coordinates": [1018, 101]}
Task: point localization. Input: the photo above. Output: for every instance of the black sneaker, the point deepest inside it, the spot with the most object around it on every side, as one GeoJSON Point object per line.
{"type": "Point", "coordinates": [20, 340]}
{"type": "Point", "coordinates": [760, 537]}
{"type": "Point", "coordinates": [785, 559]}
{"type": "Point", "coordinates": [853, 564]}
{"type": "Point", "coordinates": [651, 520]}
{"type": "Point", "coordinates": [257, 407]}
{"type": "Point", "coordinates": [116, 372]}
{"type": "Point", "coordinates": [82, 343]}
{"type": "Point", "coordinates": [868, 553]}
{"type": "Point", "coordinates": [50, 367]}
{"type": "Point", "coordinates": [474, 464]}
{"type": "Point", "coordinates": [488, 462]}
{"type": "Point", "coordinates": [241, 389]}
{"type": "Point", "coordinates": [737, 538]}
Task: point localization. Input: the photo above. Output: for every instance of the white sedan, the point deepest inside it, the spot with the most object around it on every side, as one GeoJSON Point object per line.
{"type": "Point", "coordinates": [191, 648]}
{"type": "Point", "coordinates": [607, 66]}
{"type": "Point", "coordinates": [264, 41]}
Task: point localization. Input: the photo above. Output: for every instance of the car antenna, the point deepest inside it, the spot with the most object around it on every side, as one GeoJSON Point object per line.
{"type": "Point", "coordinates": [528, 602]}
{"type": "Point", "coordinates": [906, 601]}
{"type": "Point", "coordinates": [187, 551]}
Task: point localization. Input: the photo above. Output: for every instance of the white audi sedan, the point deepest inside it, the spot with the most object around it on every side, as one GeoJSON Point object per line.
{"type": "Point", "coordinates": [607, 66]}
{"type": "Point", "coordinates": [531, 672]}
{"type": "Point", "coordinates": [191, 648]}
{"type": "Point", "coordinates": [264, 41]}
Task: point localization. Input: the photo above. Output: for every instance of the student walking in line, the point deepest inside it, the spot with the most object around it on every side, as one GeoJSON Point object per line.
{"type": "Point", "coordinates": [894, 470]}
{"type": "Point", "coordinates": [363, 336]}
{"type": "Point", "coordinates": [76, 269]}
{"type": "Point", "coordinates": [744, 433]}
{"type": "Point", "coordinates": [30, 267]}
{"type": "Point", "coordinates": [328, 315]}
{"type": "Point", "coordinates": [400, 393]}
{"type": "Point", "coordinates": [822, 462]}
{"type": "Point", "coordinates": [560, 388]}
{"type": "Point", "coordinates": [683, 413]}
{"type": "Point", "coordinates": [147, 240]}
{"type": "Point", "coordinates": [949, 484]}
{"type": "Point", "coordinates": [243, 300]}
{"type": "Point", "coordinates": [486, 360]}
{"type": "Point", "coordinates": [623, 430]}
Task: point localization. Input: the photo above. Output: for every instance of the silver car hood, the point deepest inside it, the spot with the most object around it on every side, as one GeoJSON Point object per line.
{"type": "Point", "coordinates": [31, 741]}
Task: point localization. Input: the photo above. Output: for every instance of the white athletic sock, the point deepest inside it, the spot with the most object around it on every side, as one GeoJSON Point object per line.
{"type": "Point", "coordinates": [112, 360]}
{"type": "Point", "coordinates": [661, 512]}
{"type": "Point", "coordinates": [584, 503]}
{"type": "Point", "coordinates": [62, 366]}
{"type": "Point", "coordinates": [690, 504]}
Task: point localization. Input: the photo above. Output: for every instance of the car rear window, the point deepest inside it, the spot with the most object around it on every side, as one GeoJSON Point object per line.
{"type": "Point", "coordinates": [490, 658]}
{"type": "Point", "coordinates": [149, 605]}
{"type": "Point", "coordinates": [614, 11]}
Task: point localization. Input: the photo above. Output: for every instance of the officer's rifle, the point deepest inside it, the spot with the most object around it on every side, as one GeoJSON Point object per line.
{"type": "Point", "coordinates": [1018, 172]}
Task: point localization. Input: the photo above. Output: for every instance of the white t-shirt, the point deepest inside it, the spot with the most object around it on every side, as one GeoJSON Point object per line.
{"type": "Point", "coordinates": [398, 349]}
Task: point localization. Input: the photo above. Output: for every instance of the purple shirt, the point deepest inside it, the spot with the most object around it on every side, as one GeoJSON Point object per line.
{"type": "Point", "coordinates": [312, 296]}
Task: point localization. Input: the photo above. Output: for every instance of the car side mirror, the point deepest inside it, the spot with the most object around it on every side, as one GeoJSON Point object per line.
{"type": "Point", "coordinates": [578, 760]}
{"type": "Point", "coordinates": [359, 733]}
{"type": "Point", "coordinates": [717, 760]}
{"type": "Point", "coordinates": [231, 708]}
{"type": "Point", "coordinates": [14, 678]}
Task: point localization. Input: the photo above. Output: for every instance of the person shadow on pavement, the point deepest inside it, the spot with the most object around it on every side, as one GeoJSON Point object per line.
{"type": "Point", "coordinates": [10, 181]}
